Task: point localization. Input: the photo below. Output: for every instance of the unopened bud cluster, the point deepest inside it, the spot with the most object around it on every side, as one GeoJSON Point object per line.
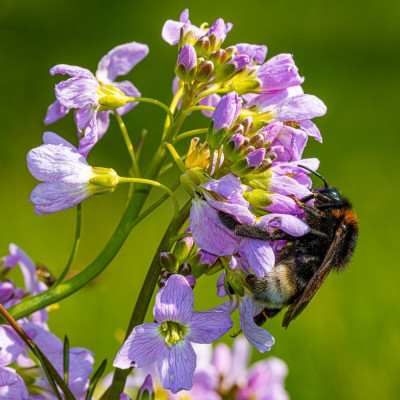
{"type": "Point", "coordinates": [202, 59]}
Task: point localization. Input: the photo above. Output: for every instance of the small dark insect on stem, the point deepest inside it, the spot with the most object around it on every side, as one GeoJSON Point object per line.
{"type": "Point", "coordinates": [51, 373]}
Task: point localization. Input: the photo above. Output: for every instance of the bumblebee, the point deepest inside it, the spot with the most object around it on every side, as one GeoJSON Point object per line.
{"type": "Point", "coordinates": [305, 262]}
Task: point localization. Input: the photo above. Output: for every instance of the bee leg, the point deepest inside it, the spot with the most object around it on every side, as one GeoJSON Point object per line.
{"type": "Point", "coordinates": [233, 335]}
{"type": "Point", "coordinates": [265, 314]}
{"type": "Point", "coordinates": [310, 210]}
{"type": "Point", "coordinates": [228, 220]}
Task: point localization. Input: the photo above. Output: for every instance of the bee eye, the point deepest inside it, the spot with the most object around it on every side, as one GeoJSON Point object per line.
{"type": "Point", "coordinates": [344, 227]}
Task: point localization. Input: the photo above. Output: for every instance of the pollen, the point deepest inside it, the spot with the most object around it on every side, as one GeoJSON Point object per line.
{"type": "Point", "coordinates": [198, 156]}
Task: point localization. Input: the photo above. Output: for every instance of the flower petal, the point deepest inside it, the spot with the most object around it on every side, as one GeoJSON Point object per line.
{"type": "Point", "coordinates": [171, 31]}
{"type": "Point", "coordinates": [103, 122]}
{"type": "Point", "coordinates": [72, 70]}
{"type": "Point", "coordinates": [257, 336]}
{"type": "Point", "coordinates": [77, 92]}
{"type": "Point", "coordinates": [208, 326]}
{"type": "Point", "coordinates": [208, 232]}
{"type": "Point", "coordinates": [176, 365]}
{"type": "Point", "coordinates": [51, 197]}
{"type": "Point", "coordinates": [53, 138]}
{"type": "Point", "coordinates": [55, 111]}
{"type": "Point", "coordinates": [14, 391]}
{"type": "Point", "coordinates": [90, 138]}
{"type": "Point", "coordinates": [11, 345]}
{"type": "Point", "coordinates": [8, 376]}
{"type": "Point", "coordinates": [45, 340]}
{"type": "Point", "coordinates": [256, 52]}
{"type": "Point", "coordinates": [174, 301]}
{"type": "Point", "coordinates": [28, 269]}
{"type": "Point", "coordinates": [120, 60]}
{"type": "Point", "coordinates": [259, 255]}
{"type": "Point", "coordinates": [141, 347]}
{"type": "Point", "coordinates": [51, 162]}
{"type": "Point", "coordinates": [300, 108]}
{"type": "Point", "coordinates": [288, 223]}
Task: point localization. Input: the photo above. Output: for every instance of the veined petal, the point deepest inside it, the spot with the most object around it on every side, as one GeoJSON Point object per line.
{"type": "Point", "coordinates": [207, 232]}
{"type": "Point", "coordinates": [171, 31]}
{"type": "Point", "coordinates": [120, 60]}
{"type": "Point", "coordinates": [103, 122]}
{"type": "Point", "coordinates": [84, 116]}
{"type": "Point", "coordinates": [11, 345]}
{"type": "Point", "coordinates": [256, 52]}
{"type": "Point", "coordinates": [288, 223]}
{"type": "Point", "coordinates": [230, 187]}
{"type": "Point", "coordinates": [176, 365]}
{"type": "Point", "coordinates": [257, 336]}
{"type": "Point", "coordinates": [311, 129]}
{"type": "Point", "coordinates": [71, 70]}
{"type": "Point", "coordinates": [8, 376]}
{"type": "Point", "coordinates": [51, 162]}
{"type": "Point", "coordinates": [51, 197]}
{"type": "Point", "coordinates": [287, 186]}
{"type": "Point", "coordinates": [141, 347]}
{"type": "Point", "coordinates": [55, 111]}
{"type": "Point", "coordinates": [45, 340]}
{"type": "Point", "coordinates": [259, 256]}
{"type": "Point", "coordinates": [174, 301]}
{"type": "Point", "coordinates": [90, 138]}
{"type": "Point", "coordinates": [77, 92]}
{"type": "Point", "coordinates": [53, 138]}
{"type": "Point", "coordinates": [6, 291]}
{"type": "Point", "coordinates": [17, 256]}
{"type": "Point", "coordinates": [300, 108]}
{"type": "Point", "coordinates": [208, 326]}
{"type": "Point", "coordinates": [14, 391]}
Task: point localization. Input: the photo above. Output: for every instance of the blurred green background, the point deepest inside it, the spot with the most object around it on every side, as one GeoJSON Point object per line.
{"type": "Point", "coordinates": [347, 344]}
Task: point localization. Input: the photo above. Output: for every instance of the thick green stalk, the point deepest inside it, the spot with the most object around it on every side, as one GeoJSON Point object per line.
{"type": "Point", "coordinates": [145, 295]}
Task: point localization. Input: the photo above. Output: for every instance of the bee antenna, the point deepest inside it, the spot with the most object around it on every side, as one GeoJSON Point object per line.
{"type": "Point", "coordinates": [316, 174]}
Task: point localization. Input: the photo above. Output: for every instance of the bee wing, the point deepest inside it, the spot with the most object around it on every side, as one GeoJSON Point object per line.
{"type": "Point", "coordinates": [315, 282]}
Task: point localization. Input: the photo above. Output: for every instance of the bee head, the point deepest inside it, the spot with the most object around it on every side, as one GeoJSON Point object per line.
{"type": "Point", "coordinates": [329, 196]}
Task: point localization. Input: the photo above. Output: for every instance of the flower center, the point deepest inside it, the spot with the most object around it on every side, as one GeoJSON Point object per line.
{"type": "Point", "coordinates": [110, 97]}
{"type": "Point", "coordinates": [172, 332]}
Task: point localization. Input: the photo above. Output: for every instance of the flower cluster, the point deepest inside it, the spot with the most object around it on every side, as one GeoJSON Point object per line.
{"type": "Point", "coordinates": [21, 378]}
{"type": "Point", "coordinates": [247, 171]}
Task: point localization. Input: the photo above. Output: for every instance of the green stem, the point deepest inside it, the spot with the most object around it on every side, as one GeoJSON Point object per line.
{"type": "Point", "coordinates": [128, 221]}
{"type": "Point", "coordinates": [197, 108]}
{"type": "Point", "coordinates": [145, 295]}
{"type": "Point", "coordinates": [155, 102]}
{"type": "Point", "coordinates": [177, 158]}
{"type": "Point", "coordinates": [168, 166]}
{"type": "Point", "coordinates": [190, 133]}
{"type": "Point", "coordinates": [74, 247]}
{"type": "Point", "coordinates": [152, 183]}
{"type": "Point", "coordinates": [128, 143]}
{"type": "Point", "coordinates": [208, 92]}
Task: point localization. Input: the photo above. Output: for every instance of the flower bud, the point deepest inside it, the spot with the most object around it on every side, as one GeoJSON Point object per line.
{"type": "Point", "coordinates": [183, 248]}
{"type": "Point", "coordinates": [186, 66]}
{"type": "Point", "coordinates": [228, 70]}
{"type": "Point", "coordinates": [224, 116]}
{"type": "Point", "coordinates": [218, 57]}
{"type": "Point", "coordinates": [258, 198]}
{"type": "Point", "coordinates": [187, 35]}
{"type": "Point", "coordinates": [236, 282]}
{"type": "Point", "coordinates": [247, 123]}
{"type": "Point", "coordinates": [205, 71]}
{"type": "Point", "coordinates": [231, 52]}
{"type": "Point", "coordinates": [146, 392]}
{"type": "Point", "coordinates": [217, 33]}
{"type": "Point", "coordinates": [257, 140]}
{"type": "Point", "coordinates": [265, 165]}
{"type": "Point", "coordinates": [191, 280]}
{"type": "Point", "coordinates": [165, 274]}
{"type": "Point", "coordinates": [250, 163]}
{"type": "Point", "coordinates": [161, 282]}
{"type": "Point", "coordinates": [185, 269]}
{"type": "Point", "coordinates": [106, 178]}
{"type": "Point", "coordinates": [192, 179]}
{"type": "Point", "coordinates": [235, 147]}
{"type": "Point", "coordinates": [168, 261]}
{"type": "Point", "coordinates": [202, 46]}
{"type": "Point", "coordinates": [110, 97]}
